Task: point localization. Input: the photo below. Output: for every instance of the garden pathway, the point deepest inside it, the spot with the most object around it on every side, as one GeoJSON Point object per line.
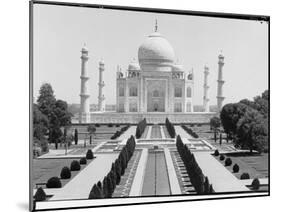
{"type": "Point", "coordinates": [127, 134]}
{"type": "Point", "coordinates": [136, 188]}
{"type": "Point", "coordinates": [173, 180]}
{"type": "Point", "coordinates": [80, 186]}
{"type": "Point", "coordinates": [183, 134]}
{"type": "Point", "coordinates": [221, 179]}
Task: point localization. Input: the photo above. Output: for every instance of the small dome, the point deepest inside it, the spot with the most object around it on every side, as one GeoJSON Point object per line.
{"type": "Point", "coordinates": [84, 49]}
{"type": "Point", "coordinates": [156, 50]}
{"type": "Point", "coordinates": [133, 66]}
{"type": "Point", "coordinates": [177, 67]}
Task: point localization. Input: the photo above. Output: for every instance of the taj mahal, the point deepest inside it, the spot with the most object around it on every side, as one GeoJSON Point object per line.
{"type": "Point", "coordinates": [155, 87]}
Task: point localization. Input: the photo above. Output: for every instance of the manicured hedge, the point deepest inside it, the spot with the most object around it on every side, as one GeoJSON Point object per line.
{"type": "Point", "coordinates": [228, 162]}
{"type": "Point", "coordinates": [198, 180]}
{"type": "Point", "coordinates": [113, 178]}
{"type": "Point", "coordinates": [170, 128]}
{"type": "Point", "coordinates": [40, 195]}
{"type": "Point", "coordinates": [140, 128]}
{"type": "Point", "coordinates": [75, 165]}
{"type": "Point", "coordinates": [235, 168]}
{"type": "Point", "coordinates": [118, 133]}
{"type": "Point", "coordinates": [222, 157]}
{"type": "Point", "coordinates": [256, 184]}
{"type": "Point", "coordinates": [216, 153]}
{"type": "Point", "coordinates": [65, 173]}
{"type": "Point", "coordinates": [190, 131]}
{"type": "Point", "coordinates": [89, 154]}
{"type": "Point", "coordinates": [53, 182]}
{"type": "Point", "coordinates": [83, 161]}
{"type": "Point", "coordinates": [244, 176]}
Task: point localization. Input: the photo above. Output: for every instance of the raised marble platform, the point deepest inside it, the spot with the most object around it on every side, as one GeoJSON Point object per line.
{"type": "Point", "coordinates": [153, 117]}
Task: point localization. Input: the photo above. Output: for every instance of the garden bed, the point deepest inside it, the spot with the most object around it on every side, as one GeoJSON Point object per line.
{"type": "Point", "coordinates": [43, 169]}
{"type": "Point", "coordinates": [255, 165]}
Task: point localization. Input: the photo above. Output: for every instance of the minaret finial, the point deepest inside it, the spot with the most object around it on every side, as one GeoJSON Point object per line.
{"type": "Point", "coordinates": [156, 26]}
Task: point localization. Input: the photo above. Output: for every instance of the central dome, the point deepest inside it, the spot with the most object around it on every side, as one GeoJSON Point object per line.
{"type": "Point", "coordinates": [156, 50]}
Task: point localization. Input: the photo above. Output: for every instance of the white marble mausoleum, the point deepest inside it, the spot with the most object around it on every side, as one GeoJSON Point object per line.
{"type": "Point", "coordinates": [155, 83]}
{"type": "Point", "coordinates": [153, 87]}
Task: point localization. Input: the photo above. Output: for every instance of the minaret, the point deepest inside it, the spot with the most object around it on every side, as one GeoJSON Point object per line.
{"type": "Point", "coordinates": [206, 88]}
{"type": "Point", "coordinates": [101, 84]}
{"type": "Point", "coordinates": [220, 97]}
{"type": "Point", "coordinates": [84, 115]}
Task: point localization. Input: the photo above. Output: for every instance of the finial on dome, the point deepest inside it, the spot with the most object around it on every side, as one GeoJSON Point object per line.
{"type": "Point", "coordinates": [84, 48]}
{"type": "Point", "coordinates": [156, 26]}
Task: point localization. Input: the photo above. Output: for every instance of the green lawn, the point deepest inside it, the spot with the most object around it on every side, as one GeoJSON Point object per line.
{"type": "Point", "coordinates": [255, 165]}
{"type": "Point", "coordinates": [43, 169]}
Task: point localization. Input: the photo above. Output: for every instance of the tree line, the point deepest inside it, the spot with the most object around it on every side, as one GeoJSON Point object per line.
{"type": "Point", "coordinates": [170, 128]}
{"type": "Point", "coordinates": [49, 116]}
{"type": "Point", "coordinates": [197, 178]}
{"type": "Point", "coordinates": [140, 128]}
{"type": "Point", "coordinates": [106, 188]}
{"type": "Point", "coordinates": [246, 122]}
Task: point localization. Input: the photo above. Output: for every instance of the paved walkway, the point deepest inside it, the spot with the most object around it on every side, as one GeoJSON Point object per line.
{"type": "Point", "coordinates": [221, 179]}
{"type": "Point", "coordinates": [162, 132]}
{"type": "Point", "coordinates": [80, 186]}
{"type": "Point", "coordinates": [182, 132]}
{"type": "Point", "coordinates": [248, 182]}
{"type": "Point", "coordinates": [127, 134]}
{"type": "Point", "coordinates": [136, 188]}
{"type": "Point", "coordinates": [173, 180]}
{"type": "Point", "coordinates": [149, 132]}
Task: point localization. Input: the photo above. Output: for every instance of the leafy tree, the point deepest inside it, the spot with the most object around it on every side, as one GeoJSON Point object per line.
{"type": "Point", "coordinates": [230, 115]}
{"type": "Point", "coordinates": [95, 193]}
{"type": "Point", "coordinates": [91, 129]}
{"type": "Point", "coordinates": [40, 195]}
{"type": "Point", "coordinates": [251, 131]}
{"type": "Point", "coordinates": [46, 100]}
{"type": "Point", "coordinates": [215, 123]}
{"type": "Point", "coordinates": [40, 123]}
{"type": "Point", "coordinates": [76, 136]}
{"type": "Point", "coordinates": [55, 111]}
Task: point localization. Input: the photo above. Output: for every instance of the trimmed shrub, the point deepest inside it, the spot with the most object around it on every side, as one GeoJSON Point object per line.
{"type": "Point", "coordinates": [170, 128]}
{"type": "Point", "coordinates": [216, 153]}
{"type": "Point", "coordinates": [75, 166]}
{"type": "Point", "coordinates": [228, 162]}
{"type": "Point", "coordinates": [117, 125]}
{"type": "Point", "coordinates": [110, 125]}
{"type": "Point", "coordinates": [65, 173]}
{"type": "Point", "coordinates": [256, 184]}
{"type": "Point", "coordinates": [83, 161]}
{"type": "Point", "coordinates": [244, 176]}
{"type": "Point", "coordinates": [235, 168]}
{"type": "Point", "coordinates": [222, 157]}
{"type": "Point", "coordinates": [190, 131]}
{"type": "Point", "coordinates": [76, 136]}
{"type": "Point", "coordinates": [97, 125]}
{"type": "Point", "coordinates": [95, 193]}
{"type": "Point", "coordinates": [53, 182]}
{"type": "Point", "coordinates": [40, 195]}
{"type": "Point", "coordinates": [140, 128]}
{"type": "Point", "coordinates": [89, 154]}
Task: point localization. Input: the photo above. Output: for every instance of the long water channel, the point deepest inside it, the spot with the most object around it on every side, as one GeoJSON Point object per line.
{"type": "Point", "coordinates": [156, 180]}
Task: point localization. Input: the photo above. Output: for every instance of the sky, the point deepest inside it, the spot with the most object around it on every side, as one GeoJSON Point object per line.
{"type": "Point", "coordinates": [115, 36]}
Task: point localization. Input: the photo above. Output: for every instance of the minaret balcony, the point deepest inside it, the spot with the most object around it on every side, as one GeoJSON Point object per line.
{"type": "Point", "coordinates": [101, 98]}
{"type": "Point", "coordinates": [220, 81]}
{"type": "Point", "coordinates": [220, 97]}
{"type": "Point", "coordinates": [84, 95]}
{"type": "Point", "coordinates": [84, 57]}
{"type": "Point", "coordinates": [84, 77]}
{"type": "Point", "coordinates": [101, 84]}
